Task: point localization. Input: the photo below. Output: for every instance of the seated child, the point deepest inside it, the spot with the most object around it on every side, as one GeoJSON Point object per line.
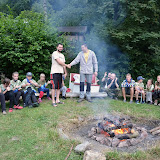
{"type": "Point", "coordinates": [149, 91]}
{"type": "Point", "coordinates": [63, 89]}
{"type": "Point", "coordinates": [139, 89]}
{"type": "Point", "coordinates": [16, 87]}
{"type": "Point", "coordinates": [156, 94]}
{"type": "Point", "coordinates": [8, 93]}
{"type": "Point", "coordinates": [3, 104]}
{"type": "Point", "coordinates": [29, 91]}
{"type": "Point", "coordinates": [43, 88]}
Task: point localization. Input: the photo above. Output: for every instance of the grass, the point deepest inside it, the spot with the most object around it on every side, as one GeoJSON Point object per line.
{"type": "Point", "coordinates": [37, 135]}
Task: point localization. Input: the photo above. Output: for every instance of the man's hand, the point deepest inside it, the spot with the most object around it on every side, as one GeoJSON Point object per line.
{"type": "Point", "coordinates": [68, 66]}
{"type": "Point", "coordinates": [95, 73]}
{"type": "Point", "coordinates": [105, 74]}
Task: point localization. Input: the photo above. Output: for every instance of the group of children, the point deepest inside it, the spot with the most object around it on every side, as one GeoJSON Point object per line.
{"type": "Point", "coordinates": [13, 89]}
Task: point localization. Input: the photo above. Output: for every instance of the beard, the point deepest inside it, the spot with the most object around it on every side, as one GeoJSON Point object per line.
{"type": "Point", "coordinates": [59, 51]}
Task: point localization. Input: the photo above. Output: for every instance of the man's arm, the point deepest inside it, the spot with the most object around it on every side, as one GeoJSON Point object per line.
{"type": "Point", "coordinates": [60, 62]}
{"type": "Point", "coordinates": [76, 60]}
{"type": "Point", "coordinates": [65, 72]}
{"type": "Point", "coordinates": [95, 63]}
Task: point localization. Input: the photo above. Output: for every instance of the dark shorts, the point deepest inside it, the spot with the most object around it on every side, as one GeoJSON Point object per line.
{"type": "Point", "coordinates": [127, 89]}
{"type": "Point", "coordinates": [56, 80]}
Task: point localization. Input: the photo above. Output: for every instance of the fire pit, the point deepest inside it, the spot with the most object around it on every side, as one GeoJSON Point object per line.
{"type": "Point", "coordinates": [117, 133]}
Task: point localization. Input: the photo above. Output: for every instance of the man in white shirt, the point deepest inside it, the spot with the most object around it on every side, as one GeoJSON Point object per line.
{"type": "Point", "coordinates": [57, 69]}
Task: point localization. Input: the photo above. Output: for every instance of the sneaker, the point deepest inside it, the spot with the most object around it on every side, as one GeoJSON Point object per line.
{"type": "Point", "coordinates": [124, 100]}
{"type": "Point", "coordinates": [131, 102]}
{"type": "Point", "coordinates": [80, 100]}
{"type": "Point", "coordinates": [49, 98]}
{"type": "Point", "coordinates": [63, 97]}
{"type": "Point", "coordinates": [143, 102]}
{"type": "Point", "coordinates": [4, 113]}
{"type": "Point", "coordinates": [30, 106]}
{"type": "Point", "coordinates": [10, 109]}
{"type": "Point", "coordinates": [89, 100]}
{"type": "Point", "coordinates": [36, 104]}
{"type": "Point", "coordinates": [155, 104]}
{"type": "Point", "coordinates": [137, 101]}
{"type": "Point", "coordinates": [18, 107]}
{"type": "Point", "coordinates": [15, 106]}
{"type": "Point", "coordinates": [39, 100]}
{"type": "Point", "coordinates": [24, 105]}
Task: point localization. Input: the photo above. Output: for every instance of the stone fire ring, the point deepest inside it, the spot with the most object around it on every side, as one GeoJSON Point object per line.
{"type": "Point", "coordinates": [95, 134]}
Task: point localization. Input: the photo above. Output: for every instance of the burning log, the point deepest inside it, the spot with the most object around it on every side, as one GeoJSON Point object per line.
{"type": "Point", "coordinates": [154, 129]}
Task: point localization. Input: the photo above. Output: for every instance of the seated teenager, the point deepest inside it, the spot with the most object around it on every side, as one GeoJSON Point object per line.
{"type": "Point", "coordinates": [104, 81]}
{"type": "Point", "coordinates": [149, 91]}
{"type": "Point", "coordinates": [113, 86]}
{"type": "Point", "coordinates": [16, 87]}
{"type": "Point", "coordinates": [29, 85]}
{"type": "Point", "coordinates": [139, 89]}
{"type": "Point", "coordinates": [43, 88]}
{"type": "Point", "coordinates": [8, 93]}
{"type": "Point", "coordinates": [156, 94]}
{"type": "Point", "coordinates": [3, 104]}
{"type": "Point", "coordinates": [63, 89]}
{"type": "Point", "coordinates": [128, 87]}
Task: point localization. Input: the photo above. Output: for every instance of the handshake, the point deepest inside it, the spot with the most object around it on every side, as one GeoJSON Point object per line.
{"type": "Point", "coordinates": [68, 66]}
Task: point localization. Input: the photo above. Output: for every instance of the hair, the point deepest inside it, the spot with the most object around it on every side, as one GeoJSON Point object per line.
{"type": "Point", "coordinates": [84, 44]}
{"type": "Point", "coordinates": [42, 74]}
{"type": "Point", "coordinates": [128, 74]}
{"type": "Point", "coordinates": [15, 73]}
{"type": "Point", "coordinates": [158, 83]}
{"type": "Point", "coordinates": [59, 44]}
{"type": "Point", "coordinates": [151, 80]}
{"type": "Point", "coordinates": [6, 81]}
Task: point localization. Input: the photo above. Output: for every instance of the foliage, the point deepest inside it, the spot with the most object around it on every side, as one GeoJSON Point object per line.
{"type": "Point", "coordinates": [26, 44]}
{"type": "Point", "coordinates": [139, 37]}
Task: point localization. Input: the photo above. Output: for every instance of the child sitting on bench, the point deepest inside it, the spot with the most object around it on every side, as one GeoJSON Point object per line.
{"type": "Point", "coordinates": [16, 87]}
{"type": "Point", "coordinates": [43, 88]}
{"type": "Point", "coordinates": [3, 104]}
{"type": "Point", "coordinates": [8, 93]}
{"type": "Point", "coordinates": [29, 89]}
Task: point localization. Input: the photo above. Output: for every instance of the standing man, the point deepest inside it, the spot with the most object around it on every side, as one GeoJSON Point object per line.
{"type": "Point", "coordinates": [57, 69]}
{"type": "Point", "coordinates": [88, 61]}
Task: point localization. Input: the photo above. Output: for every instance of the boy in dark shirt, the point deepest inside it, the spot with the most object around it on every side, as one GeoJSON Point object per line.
{"type": "Point", "coordinates": [113, 87]}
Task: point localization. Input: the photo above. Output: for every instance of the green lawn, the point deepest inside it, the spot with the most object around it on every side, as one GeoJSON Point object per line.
{"type": "Point", "coordinates": [36, 129]}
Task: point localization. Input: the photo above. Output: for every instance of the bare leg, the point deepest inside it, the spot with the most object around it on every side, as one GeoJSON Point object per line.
{"type": "Point", "coordinates": [143, 94]}
{"type": "Point", "coordinates": [136, 94]}
{"type": "Point", "coordinates": [57, 95]}
{"type": "Point", "coordinates": [53, 95]}
{"type": "Point", "coordinates": [131, 93]}
{"type": "Point", "coordinates": [124, 93]}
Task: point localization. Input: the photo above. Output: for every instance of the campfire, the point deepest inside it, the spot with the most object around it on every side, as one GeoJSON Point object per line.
{"type": "Point", "coordinates": [117, 133]}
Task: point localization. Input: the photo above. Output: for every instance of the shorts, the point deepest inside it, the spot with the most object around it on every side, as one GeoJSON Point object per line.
{"type": "Point", "coordinates": [127, 89]}
{"type": "Point", "coordinates": [56, 80]}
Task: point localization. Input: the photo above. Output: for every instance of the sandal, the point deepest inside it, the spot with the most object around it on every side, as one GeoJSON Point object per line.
{"type": "Point", "coordinates": [60, 102]}
{"type": "Point", "coordinates": [54, 104]}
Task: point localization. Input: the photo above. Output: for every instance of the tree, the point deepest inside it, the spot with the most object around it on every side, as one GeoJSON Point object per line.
{"type": "Point", "coordinates": [26, 44]}
{"type": "Point", "coordinates": [139, 37]}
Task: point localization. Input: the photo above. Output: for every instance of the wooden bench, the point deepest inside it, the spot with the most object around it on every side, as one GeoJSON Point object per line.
{"type": "Point", "coordinates": [75, 87]}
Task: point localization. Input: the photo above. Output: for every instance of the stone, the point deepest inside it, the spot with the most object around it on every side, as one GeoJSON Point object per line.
{"type": "Point", "coordinates": [100, 137]}
{"type": "Point", "coordinates": [125, 143]}
{"type": "Point", "coordinates": [108, 141]}
{"type": "Point", "coordinates": [144, 134]}
{"type": "Point", "coordinates": [62, 134]}
{"type": "Point", "coordinates": [115, 142]}
{"type": "Point", "coordinates": [92, 155]}
{"type": "Point", "coordinates": [90, 133]}
{"type": "Point", "coordinates": [93, 129]}
{"type": "Point", "coordinates": [81, 148]}
{"type": "Point", "coordinates": [93, 137]}
{"type": "Point", "coordinates": [15, 139]}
